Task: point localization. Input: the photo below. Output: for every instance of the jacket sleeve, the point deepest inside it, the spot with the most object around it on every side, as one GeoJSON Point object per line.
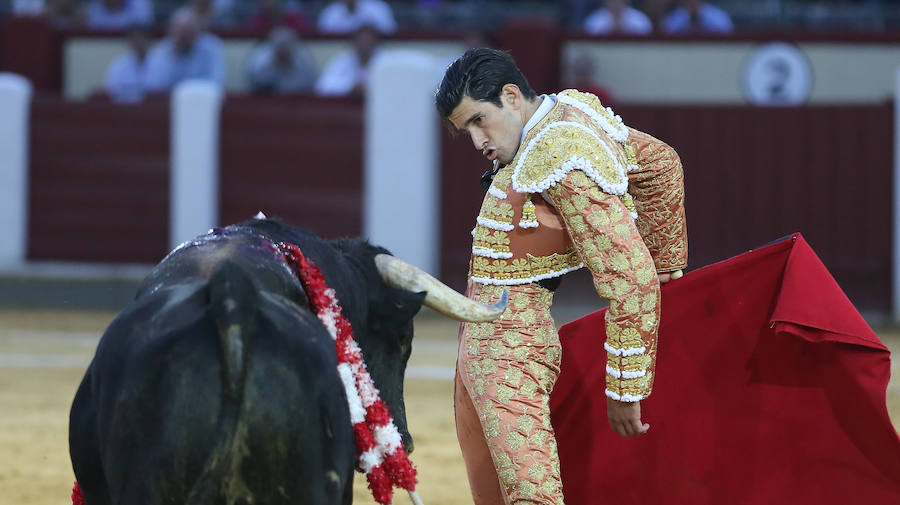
{"type": "Point", "coordinates": [657, 185]}
{"type": "Point", "coordinates": [604, 234]}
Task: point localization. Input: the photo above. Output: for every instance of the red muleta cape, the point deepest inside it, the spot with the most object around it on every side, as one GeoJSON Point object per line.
{"type": "Point", "coordinates": [770, 389]}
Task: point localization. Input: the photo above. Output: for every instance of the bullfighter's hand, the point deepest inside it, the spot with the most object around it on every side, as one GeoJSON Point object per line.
{"type": "Point", "coordinates": [670, 276]}
{"type": "Point", "coordinates": [625, 418]}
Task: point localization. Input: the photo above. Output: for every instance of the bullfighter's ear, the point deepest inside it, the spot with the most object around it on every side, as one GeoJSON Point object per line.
{"type": "Point", "coordinates": [399, 306]}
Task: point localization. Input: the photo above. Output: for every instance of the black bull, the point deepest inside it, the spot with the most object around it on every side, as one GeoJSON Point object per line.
{"type": "Point", "coordinates": [218, 385]}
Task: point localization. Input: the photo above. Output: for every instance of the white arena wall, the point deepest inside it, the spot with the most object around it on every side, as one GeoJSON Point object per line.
{"type": "Point", "coordinates": [635, 71]}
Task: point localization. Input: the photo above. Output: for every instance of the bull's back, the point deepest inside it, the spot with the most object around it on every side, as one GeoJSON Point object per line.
{"type": "Point", "coordinates": [214, 392]}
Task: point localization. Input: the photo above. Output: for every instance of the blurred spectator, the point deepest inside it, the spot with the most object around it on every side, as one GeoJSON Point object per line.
{"type": "Point", "coordinates": [348, 16]}
{"type": "Point", "coordinates": [187, 53]}
{"type": "Point", "coordinates": [271, 14]}
{"type": "Point", "coordinates": [576, 11]}
{"type": "Point", "coordinates": [126, 76]}
{"type": "Point", "coordinates": [65, 13]}
{"type": "Point", "coordinates": [346, 73]}
{"type": "Point", "coordinates": [27, 7]}
{"type": "Point", "coordinates": [656, 10]}
{"type": "Point", "coordinates": [281, 65]}
{"type": "Point", "coordinates": [214, 13]}
{"type": "Point", "coordinates": [584, 79]}
{"type": "Point", "coordinates": [696, 16]}
{"type": "Point", "coordinates": [118, 14]}
{"type": "Point", "coordinates": [617, 17]}
{"type": "Point", "coordinates": [474, 37]}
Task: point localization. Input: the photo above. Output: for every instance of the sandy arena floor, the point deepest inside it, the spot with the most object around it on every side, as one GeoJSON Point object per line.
{"type": "Point", "coordinates": [43, 355]}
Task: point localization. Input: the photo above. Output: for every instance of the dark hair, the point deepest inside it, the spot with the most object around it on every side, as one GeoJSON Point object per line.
{"type": "Point", "coordinates": [479, 74]}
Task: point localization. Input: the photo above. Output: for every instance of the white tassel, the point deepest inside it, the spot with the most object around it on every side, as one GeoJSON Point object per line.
{"type": "Point", "coordinates": [494, 225]}
{"type": "Point", "coordinates": [630, 351]}
{"type": "Point", "coordinates": [617, 131]}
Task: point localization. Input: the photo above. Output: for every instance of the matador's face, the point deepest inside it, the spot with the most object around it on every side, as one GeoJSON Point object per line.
{"type": "Point", "coordinates": [495, 131]}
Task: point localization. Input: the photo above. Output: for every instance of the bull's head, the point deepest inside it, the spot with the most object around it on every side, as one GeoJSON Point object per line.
{"type": "Point", "coordinates": [396, 292]}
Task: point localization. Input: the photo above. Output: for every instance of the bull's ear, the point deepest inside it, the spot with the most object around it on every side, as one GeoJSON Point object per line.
{"type": "Point", "coordinates": [396, 308]}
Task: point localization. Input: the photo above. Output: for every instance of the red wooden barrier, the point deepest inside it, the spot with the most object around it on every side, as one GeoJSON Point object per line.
{"type": "Point", "coordinates": [755, 174]}
{"type": "Point", "coordinates": [99, 179]}
{"type": "Point", "coordinates": [99, 182]}
{"type": "Point", "coordinates": [299, 159]}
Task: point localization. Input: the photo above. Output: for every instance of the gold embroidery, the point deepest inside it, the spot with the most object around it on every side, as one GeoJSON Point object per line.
{"type": "Point", "coordinates": [631, 305]}
{"type": "Point", "coordinates": [521, 353]}
{"type": "Point", "coordinates": [621, 286]}
{"type": "Point", "coordinates": [525, 423]}
{"type": "Point", "coordinates": [504, 393]}
{"type": "Point", "coordinates": [560, 143]}
{"type": "Point", "coordinates": [495, 349]}
{"type": "Point", "coordinates": [580, 180]}
{"type": "Point", "coordinates": [527, 489]}
{"type": "Point", "coordinates": [491, 239]}
{"type": "Point", "coordinates": [514, 440]}
{"type": "Point", "coordinates": [478, 384]}
{"type": "Point", "coordinates": [553, 354]}
{"type": "Point", "coordinates": [659, 199]}
{"type": "Point", "coordinates": [538, 437]}
{"type": "Point", "coordinates": [528, 317]}
{"type": "Point", "coordinates": [635, 363]}
{"type": "Point", "coordinates": [537, 471]}
{"type": "Point", "coordinates": [514, 377]}
{"type": "Point", "coordinates": [644, 275]}
{"type": "Point", "coordinates": [512, 338]}
{"type": "Point", "coordinates": [619, 261]}
{"type": "Point", "coordinates": [472, 347]}
{"type": "Point", "coordinates": [529, 389]}
{"type": "Point", "coordinates": [492, 428]}
{"type": "Point", "coordinates": [529, 214]}
{"type": "Point", "coordinates": [580, 202]}
{"type": "Point", "coordinates": [549, 487]}
{"type": "Point", "coordinates": [508, 476]}
{"type": "Point", "coordinates": [503, 460]}
{"type": "Point", "coordinates": [519, 302]}
{"type": "Point", "coordinates": [603, 243]}
{"type": "Point", "coordinates": [633, 387]}
{"type": "Point", "coordinates": [523, 268]}
{"type": "Point", "coordinates": [609, 243]}
{"type": "Point", "coordinates": [577, 224]}
{"type": "Point", "coordinates": [493, 208]}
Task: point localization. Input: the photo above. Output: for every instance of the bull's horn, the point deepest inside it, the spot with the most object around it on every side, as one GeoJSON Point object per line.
{"type": "Point", "coordinates": [414, 496]}
{"type": "Point", "coordinates": [439, 297]}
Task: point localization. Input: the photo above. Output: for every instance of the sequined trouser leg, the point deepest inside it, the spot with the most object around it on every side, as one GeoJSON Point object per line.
{"type": "Point", "coordinates": [505, 372]}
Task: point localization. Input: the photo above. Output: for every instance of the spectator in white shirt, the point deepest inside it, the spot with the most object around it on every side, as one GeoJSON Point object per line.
{"type": "Point", "coordinates": [281, 65]}
{"type": "Point", "coordinates": [187, 53]}
{"type": "Point", "coordinates": [696, 16]}
{"type": "Point", "coordinates": [126, 76]}
{"type": "Point", "coordinates": [348, 16]}
{"type": "Point", "coordinates": [118, 14]}
{"type": "Point", "coordinates": [347, 72]}
{"type": "Point", "coordinates": [617, 17]}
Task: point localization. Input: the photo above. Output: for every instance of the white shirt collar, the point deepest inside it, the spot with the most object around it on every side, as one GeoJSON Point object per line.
{"type": "Point", "coordinates": [547, 103]}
